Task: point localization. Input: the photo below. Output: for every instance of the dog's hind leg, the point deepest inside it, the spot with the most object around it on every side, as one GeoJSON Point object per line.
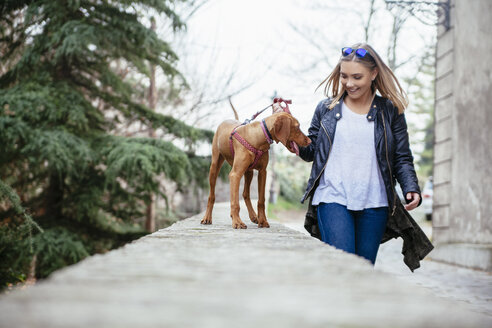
{"type": "Point", "coordinates": [248, 176]}
{"type": "Point", "coordinates": [217, 161]}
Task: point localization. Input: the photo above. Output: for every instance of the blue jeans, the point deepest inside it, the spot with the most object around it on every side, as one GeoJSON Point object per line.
{"type": "Point", "coordinates": [357, 232]}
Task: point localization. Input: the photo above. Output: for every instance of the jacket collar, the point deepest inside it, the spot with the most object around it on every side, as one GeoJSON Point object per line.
{"type": "Point", "coordinates": [337, 110]}
{"type": "Point", "coordinates": [371, 115]}
{"type": "Point", "coordinates": [376, 107]}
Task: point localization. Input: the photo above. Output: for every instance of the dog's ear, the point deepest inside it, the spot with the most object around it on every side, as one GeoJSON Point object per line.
{"type": "Point", "coordinates": [282, 129]}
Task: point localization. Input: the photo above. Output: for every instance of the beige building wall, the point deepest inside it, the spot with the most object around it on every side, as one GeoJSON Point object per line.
{"type": "Point", "coordinates": [462, 214]}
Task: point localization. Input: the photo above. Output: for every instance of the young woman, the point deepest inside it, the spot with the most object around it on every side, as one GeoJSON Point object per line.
{"type": "Point", "coordinates": [359, 146]}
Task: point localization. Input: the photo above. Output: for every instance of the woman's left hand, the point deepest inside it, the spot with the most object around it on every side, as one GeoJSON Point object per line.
{"type": "Point", "coordinates": [415, 199]}
{"type": "Point", "coordinates": [276, 108]}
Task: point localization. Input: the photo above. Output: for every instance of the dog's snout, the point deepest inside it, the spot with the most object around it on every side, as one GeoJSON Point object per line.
{"type": "Point", "coordinates": [304, 140]}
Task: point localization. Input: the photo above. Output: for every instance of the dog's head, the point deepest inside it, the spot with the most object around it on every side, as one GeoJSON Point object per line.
{"type": "Point", "coordinates": [286, 129]}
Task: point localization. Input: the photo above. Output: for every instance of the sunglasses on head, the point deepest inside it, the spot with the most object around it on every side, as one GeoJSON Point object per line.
{"type": "Point", "coordinates": [359, 52]}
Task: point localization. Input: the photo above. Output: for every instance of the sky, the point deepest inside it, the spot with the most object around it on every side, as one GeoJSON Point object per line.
{"type": "Point", "coordinates": [288, 47]}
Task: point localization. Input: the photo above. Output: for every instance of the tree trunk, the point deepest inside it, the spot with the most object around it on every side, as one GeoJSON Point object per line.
{"type": "Point", "coordinates": [31, 276]}
{"type": "Point", "coordinates": [150, 212]}
{"type": "Point", "coordinates": [150, 215]}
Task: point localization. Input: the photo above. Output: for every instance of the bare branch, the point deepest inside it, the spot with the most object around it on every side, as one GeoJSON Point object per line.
{"type": "Point", "coordinates": [311, 41]}
{"type": "Point", "coordinates": [368, 23]}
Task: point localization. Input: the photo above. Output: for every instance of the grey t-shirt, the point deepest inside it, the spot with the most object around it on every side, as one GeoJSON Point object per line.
{"type": "Point", "coordinates": [352, 176]}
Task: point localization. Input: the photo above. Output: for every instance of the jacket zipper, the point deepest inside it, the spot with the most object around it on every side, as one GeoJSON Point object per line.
{"type": "Point", "coordinates": [329, 139]}
{"type": "Point", "coordinates": [389, 166]}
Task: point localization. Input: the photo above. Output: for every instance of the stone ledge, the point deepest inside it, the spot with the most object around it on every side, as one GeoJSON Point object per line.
{"type": "Point", "coordinates": [190, 275]}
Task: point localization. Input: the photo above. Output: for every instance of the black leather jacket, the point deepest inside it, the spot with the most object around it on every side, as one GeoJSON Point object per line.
{"type": "Point", "coordinates": [391, 139]}
{"type": "Point", "coordinates": [395, 162]}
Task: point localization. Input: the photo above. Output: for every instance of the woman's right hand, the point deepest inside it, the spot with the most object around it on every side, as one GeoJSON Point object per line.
{"type": "Point", "coordinates": [414, 199]}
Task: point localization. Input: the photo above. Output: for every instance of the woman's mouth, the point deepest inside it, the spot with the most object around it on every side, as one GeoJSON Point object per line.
{"type": "Point", "coordinates": [352, 90]}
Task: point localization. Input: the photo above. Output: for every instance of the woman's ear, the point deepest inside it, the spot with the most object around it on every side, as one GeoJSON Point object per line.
{"type": "Point", "coordinates": [374, 74]}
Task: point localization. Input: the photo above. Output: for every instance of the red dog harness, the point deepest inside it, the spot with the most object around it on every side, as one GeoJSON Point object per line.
{"type": "Point", "coordinates": [258, 153]}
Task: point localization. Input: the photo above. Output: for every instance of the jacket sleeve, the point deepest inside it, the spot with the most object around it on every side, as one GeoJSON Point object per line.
{"type": "Point", "coordinates": [403, 161]}
{"type": "Point", "coordinates": [307, 153]}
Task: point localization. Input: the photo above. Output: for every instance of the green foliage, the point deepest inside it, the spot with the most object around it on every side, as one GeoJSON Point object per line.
{"type": "Point", "coordinates": [56, 248]}
{"type": "Point", "coordinates": [292, 176]}
{"type": "Point", "coordinates": [62, 101]}
{"type": "Point", "coordinates": [15, 233]}
{"type": "Point", "coordinates": [13, 265]}
{"type": "Point", "coordinates": [283, 204]}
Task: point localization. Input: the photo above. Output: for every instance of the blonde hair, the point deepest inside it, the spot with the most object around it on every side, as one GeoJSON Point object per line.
{"type": "Point", "coordinates": [385, 82]}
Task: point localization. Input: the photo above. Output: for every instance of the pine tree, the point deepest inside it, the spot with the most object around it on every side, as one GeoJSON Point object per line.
{"type": "Point", "coordinates": [61, 103]}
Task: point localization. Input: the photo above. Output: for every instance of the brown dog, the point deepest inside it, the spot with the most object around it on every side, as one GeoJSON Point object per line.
{"type": "Point", "coordinates": [282, 127]}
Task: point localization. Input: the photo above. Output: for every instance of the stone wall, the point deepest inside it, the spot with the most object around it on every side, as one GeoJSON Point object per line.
{"type": "Point", "coordinates": [213, 276]}
{"type": "Point", "coordinates": [462, 215]}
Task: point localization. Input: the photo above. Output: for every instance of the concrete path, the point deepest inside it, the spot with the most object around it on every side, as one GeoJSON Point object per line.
{"type": "Point", "coordinates": [190, 275]}
{"type": "Point", "coordinates": [472, 287]}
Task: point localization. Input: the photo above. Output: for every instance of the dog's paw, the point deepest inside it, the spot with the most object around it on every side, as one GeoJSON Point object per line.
{"type": "Point", "coordinates": [263, 224]}
{"type": "Point", "coordinates": [206, 221]}
{"type": "Point", "coordinates": [239, 225]}
{"type": "Point", "coordinates": [254, 219]}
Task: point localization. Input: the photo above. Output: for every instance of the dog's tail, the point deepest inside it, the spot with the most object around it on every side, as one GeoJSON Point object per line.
{"type": "Point", "coordinates": [234, 110]}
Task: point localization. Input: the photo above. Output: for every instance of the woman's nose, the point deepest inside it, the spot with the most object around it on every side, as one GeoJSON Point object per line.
{"type": "Point", "coordinates": [350, 83]}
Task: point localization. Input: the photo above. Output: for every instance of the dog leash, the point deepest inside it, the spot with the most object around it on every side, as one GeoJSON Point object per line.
{"type": "Point", "coordinates": [275, 100]}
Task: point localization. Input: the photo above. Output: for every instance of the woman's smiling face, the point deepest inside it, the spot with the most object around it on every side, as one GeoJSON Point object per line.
{"type": "Point", "coordinates": [356, 79]}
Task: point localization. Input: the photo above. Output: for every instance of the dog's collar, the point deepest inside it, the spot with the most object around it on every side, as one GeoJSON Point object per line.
{"type": "Point", "coordinates": [267, 134]}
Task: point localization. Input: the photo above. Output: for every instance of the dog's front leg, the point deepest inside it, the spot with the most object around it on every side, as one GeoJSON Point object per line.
{"type": "Point", "coordinates": [262, 220]}
{"type": "Point", "coordinates": [234, 179]}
